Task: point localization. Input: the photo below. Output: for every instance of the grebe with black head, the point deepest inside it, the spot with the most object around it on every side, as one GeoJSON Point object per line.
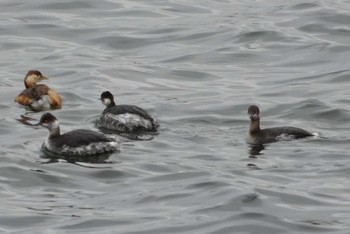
{"type": "Point", "coordinates": [257, 136]}
{"type": "Point", "coordinates": [125, 118]}
{"type": "Point", "coordinates": [38, 95]}
{"type": "Point", "coordinates": [77, 142]}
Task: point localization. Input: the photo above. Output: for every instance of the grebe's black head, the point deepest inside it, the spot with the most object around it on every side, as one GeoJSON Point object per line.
{"type": "Point", "coordinates": [107, 99]}
{"type": "Point", "coordinates": [254, 112]}
{"type": "Point", "coordinates": [49, 121]}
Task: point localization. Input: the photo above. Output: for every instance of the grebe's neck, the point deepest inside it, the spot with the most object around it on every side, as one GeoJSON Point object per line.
{"type": "Point", "coordinates": [54, 129]}
{"type": "Point", "coordinates": [254, 125]}
{"type": "Point", "coordinates": [110, 104]}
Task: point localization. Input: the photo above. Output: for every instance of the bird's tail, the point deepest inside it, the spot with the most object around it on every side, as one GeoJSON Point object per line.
{"type": "Point", "coordinates": [54, 98]}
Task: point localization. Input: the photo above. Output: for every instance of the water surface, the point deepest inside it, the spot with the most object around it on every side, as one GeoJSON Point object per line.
{"type": "Point", "coordinates": [196, 66]}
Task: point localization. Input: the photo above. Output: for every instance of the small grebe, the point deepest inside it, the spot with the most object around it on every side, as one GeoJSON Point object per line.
{"type": "Point", "coordinates": [257, 136]}
{"type": "Point", "coordinates": [38, 95]}
{"type": "Point", "coordinates": [125, 118]}
{"type": "Point", "coordinates": [75, 143]}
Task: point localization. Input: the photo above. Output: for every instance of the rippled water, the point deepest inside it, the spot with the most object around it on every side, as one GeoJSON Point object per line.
{"type": "Point", "coordinates": [196, 66]}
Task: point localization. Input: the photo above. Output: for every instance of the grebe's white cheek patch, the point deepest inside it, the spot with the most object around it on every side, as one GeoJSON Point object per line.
{"type": "Point", "coordinates": [106, 101]}
{"type": "Point", "coordinates": [55, 124]}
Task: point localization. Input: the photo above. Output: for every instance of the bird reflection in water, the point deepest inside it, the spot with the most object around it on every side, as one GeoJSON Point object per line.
{"type": "Point", "coordinates": [255, 150]}
{"type": "Point", "coordinates": [25, 120]}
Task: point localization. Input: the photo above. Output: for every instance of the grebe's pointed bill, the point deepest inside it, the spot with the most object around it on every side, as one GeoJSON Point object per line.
{"type": "Point", "coordinates": [47, 119]}
{"type": "Point", "coordinates": [38, 76]}
{"type": "Point", "coordinates": [44, 77]}
{"type": "Point", "coordinates": [253, 112]}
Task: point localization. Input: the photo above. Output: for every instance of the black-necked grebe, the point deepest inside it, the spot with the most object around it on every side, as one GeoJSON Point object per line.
{"type": "Point", "coordinates": [257, 136]}
{"type": "Point", "coordinates": [75, 143]}
{"type": "Point", "coordinates": [38, 95]}
{"type": "Point", "coordinates": [125, 118]}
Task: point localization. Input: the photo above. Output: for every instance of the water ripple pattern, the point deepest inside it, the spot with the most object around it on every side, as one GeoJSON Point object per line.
{"type": "Point", "coordinates": [196, 66]}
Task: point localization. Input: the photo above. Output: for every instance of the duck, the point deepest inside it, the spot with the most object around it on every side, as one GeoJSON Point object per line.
{"type": "Point", "coordinates": [36, 95]}
{"type": "Point", "coordinates": [80, 142]}
{"type": "Point", "coordinates": [125, 118]}
{"type": "Point", "coordinates": [257, 136]}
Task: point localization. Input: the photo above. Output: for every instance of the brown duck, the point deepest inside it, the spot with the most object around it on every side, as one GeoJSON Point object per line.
{"type": "Point", "coordinates": [38, 95]}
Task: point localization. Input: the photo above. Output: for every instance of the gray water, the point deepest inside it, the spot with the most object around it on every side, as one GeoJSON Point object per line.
{"type": "Point", "coordinates": [196, 66]}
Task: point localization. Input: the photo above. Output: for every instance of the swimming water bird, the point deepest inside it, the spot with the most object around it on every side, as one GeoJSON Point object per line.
{"type": "Point", "coordinates": [75, 143]}
{"type": "Point", "coordinates": [125, 118]}
{"type": "Point", "coordinates": [257, 136]}
{"type": "Point", "coordinates": [38, 95]}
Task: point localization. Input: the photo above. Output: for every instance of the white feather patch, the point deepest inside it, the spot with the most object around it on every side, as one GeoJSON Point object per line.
{"type": "Point", "coordinates": [106, 101]}
{"type": "Point", "coordinates": [42, 102]}
{"type": "Point", "coordinates": [91, 149]}
{"type": "Point", "coordinates": [125, 121]}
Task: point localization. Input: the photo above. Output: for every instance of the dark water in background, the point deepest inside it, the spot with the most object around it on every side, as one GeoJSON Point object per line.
{"type": "Point", "coordinates": [196, 66]}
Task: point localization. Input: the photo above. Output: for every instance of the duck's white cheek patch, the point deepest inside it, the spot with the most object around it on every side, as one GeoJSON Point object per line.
{"type": "Point", "coordinates": [106, 101]}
